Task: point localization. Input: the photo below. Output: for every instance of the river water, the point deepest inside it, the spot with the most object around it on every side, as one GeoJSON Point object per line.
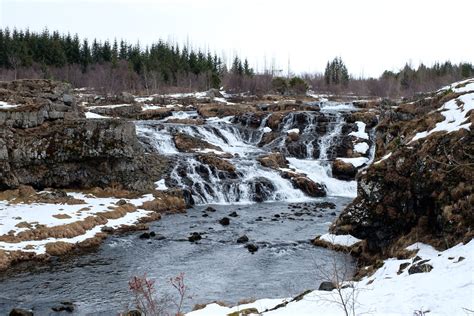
{"type": "Point", "coordinates": [215, 268]}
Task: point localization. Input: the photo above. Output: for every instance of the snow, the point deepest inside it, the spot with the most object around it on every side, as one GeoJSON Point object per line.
{"type": "Point", "coordinates": [454, 116]}
{"type": "Point", "coordinates": [383, 158]}
{"type": "Point", "coordinates": [5, 105]}
{"type": "Point", "coordinates": [143, 99]}
{"type": "Point", "coordinates": [161, 185]}
{"type": "Point", "coordinates": [342, 240]}
{"type": "Point", "coordinates": [109, 106]}
{"type": "Point", "coordinates": [215, 309]}
{"type": "Point", "coordinates": [267, 130]}
{"type": "Point", "coordinates": [91, 115]}
{"type": "Point", "coordinates": [42, 214]}
{"type": "Point", "coordinates": [446, 290]}
{"type": "Point", "coordinates": [294, 130]}
{"type": "Point", "coordinates": [360, 131]}
{"type": "Point", "coordinates": [460, 86]}
{"type": "Point", "coordinates": [151, 107]}
{"type": "Point", "coordinates": [361, 147]}
{"type": "Point", "coordinates": [223, 100]}
{"type": "Point", "coordinates": [356, 162]}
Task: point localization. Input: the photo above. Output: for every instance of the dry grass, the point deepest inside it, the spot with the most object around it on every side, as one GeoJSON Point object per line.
{"type": "Point", "coordinates": [61, 216]}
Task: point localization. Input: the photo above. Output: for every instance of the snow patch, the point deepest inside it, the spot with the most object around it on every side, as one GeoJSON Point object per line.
{"type": "Point", "coordinates": [360, 131]}
{"type": "Point", "coordinates": [91, 115]}
{"type": "Point", "coordinates": [383, 158]}
{"type": "Point", "coordinates": [5, 105]}
{"type": "Point", "coordinates": [356, 162]}
{"type": "Point", "coordinates": [341, 240]}
{"type": "Point", "coordinates": [454, 116]}
{"type": "Point", "coordinates": [294, 130]}
{"type": "Point", "coordinates": [361, 147]}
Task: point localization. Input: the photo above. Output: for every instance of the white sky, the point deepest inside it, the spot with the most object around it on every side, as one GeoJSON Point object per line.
{"type": "Point", "coordinates": [369, 35]}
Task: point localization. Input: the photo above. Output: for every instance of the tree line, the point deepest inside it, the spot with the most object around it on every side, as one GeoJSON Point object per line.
{"type": "Point", "coordinates": [164, 67]}
{"type": "Point", "coordinates": [116, 65]}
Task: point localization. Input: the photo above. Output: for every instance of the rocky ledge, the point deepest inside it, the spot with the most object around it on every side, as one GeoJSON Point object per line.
{"type": "Point", "coordinates": [420, 187]}
{"type": "Point", "coordinates": [46, 141]}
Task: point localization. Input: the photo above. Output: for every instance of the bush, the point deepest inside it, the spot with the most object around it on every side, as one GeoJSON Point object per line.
{"type": "Point", "coordinates": [280, 85]}
{"type": "Point", "coordinates": [298, 85]}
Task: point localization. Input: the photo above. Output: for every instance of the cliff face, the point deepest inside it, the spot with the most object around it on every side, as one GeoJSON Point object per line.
{"type": "Point", "coordinates": [45, 141]}
{"type": "Point", "coordinates": [420, 187]}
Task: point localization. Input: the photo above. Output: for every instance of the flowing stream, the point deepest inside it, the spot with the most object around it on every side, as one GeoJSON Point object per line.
{"type": "Point", "coordinates": [215, 267]}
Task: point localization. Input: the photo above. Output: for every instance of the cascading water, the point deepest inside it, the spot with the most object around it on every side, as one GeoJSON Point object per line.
{"type": "Point", "coordinates": [241, 143]}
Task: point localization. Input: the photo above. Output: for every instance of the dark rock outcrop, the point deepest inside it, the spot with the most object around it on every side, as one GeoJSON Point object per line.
{"type": "Point", "coordinates": [44, 147]}
{"type": "Point", "coordinates": [422, 191]}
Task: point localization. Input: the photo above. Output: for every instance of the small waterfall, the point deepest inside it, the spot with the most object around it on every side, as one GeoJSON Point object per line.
{"type": "Point", "coordinates": [326, 142]}
{"type": "Point", "coordinates": [253, 183]}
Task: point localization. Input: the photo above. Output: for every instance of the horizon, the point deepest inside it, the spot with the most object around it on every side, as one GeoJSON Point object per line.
{"type": "Point", "coordinates": [161, 20]}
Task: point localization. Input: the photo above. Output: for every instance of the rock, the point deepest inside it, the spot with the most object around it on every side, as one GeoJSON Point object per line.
{"type": "Point", "coordinates": [77, 154]}
{"type": "Point", "coordinates": [144, 236]}
{"type": "Point", "coordinates": [152, 234]}
{"type": "Point", "coordinates": [194, 237]}
{"type": "Point", "coordinates": [121, 202]}
{"type": "Point", "coordinates": [107, 229]}
{"type": "Point", "coordinates": [326, 286]}
{"type": "Point", "coordinates": [242, 239]}
{"type": "Point", "coordinates": [420, 268]}
{"type": "Point", "coordinates": [252, 248]}
{"type": "Point", "coordinates": [134, 313]}
{"type": "Point", "coordinates": [308, 186]}
{"type": "Point", "coordinates": [343, 171]}
{"type": "Point", "coordinates": [220, 164]}
{"type": "Point", "coordinates": [68, 99]}
{"type": "Point", "coordinates": [263, 189]}
{"type": "Point", "coordinates": [64, 307]}
{"type": "Point", "coordinates": [234, 214]}
{"type": "Point", "coordinates": [209, 209]}
{"type": "Point", "coordinates": [20, 312]}
{"type": "Point", "coordinates": [402, 267]}
{"type": "Point", "coordinates": [224, 221]}
{"type": "Point", "coordinates": [273, 160]}
{"type": "Point", "coordinates": [190, 144]}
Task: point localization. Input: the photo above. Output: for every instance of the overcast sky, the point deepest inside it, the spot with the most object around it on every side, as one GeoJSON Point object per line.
{"type": "Point", "coordinates": [369, 35]}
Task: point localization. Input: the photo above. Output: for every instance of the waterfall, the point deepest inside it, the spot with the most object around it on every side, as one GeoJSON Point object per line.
{"type": "Point", "coordinates": [318, 135]}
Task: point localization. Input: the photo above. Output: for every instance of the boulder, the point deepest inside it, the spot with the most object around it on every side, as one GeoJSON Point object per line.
{"type": "Point", "coordinates": [326, 286]}
{"type": "Point", "coordinates": [252, 248]}
{"type": "Point", "coordinates": [308, 186]}
{"type": "Point", "coordinates": [224, 221]}
{"type": "Point", "coordinates": [20, 312]}
{"type": "Point", "coordinates": [273, 160]}
{"type": "Point", "coordinates": [189, 144]}
{"type": "Point", "coordinates": [263, 189]}
{"type": "Point", "coordinates": [242, 239]}
{"type": "Point", "coordinates": [343, 170]}
{"type": "Point", "coordinates": [420, 268]}
{"type": "Point", "coordinates": [194, 237]}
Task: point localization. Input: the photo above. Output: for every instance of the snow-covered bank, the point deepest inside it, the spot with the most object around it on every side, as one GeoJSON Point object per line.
{"type": "Point", "coordinates": [448, 289]}
{"type": "Point", "coordinates": [24, 217]}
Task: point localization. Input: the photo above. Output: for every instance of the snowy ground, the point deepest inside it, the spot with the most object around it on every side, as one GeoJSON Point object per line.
{"type": "Point", "coordinates": [14, 218]}
{"type": "Point", "coordinates": [448, 289]}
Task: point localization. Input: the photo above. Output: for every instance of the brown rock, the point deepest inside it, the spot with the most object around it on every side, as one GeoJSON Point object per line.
{"type": "Point", "coordinates": [343, 171]}
{"type": "Point", "coordinates": [273, 160]}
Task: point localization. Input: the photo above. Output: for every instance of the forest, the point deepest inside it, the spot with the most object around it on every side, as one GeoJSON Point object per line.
{"type": "Point", "coordinates": [113, 66]}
